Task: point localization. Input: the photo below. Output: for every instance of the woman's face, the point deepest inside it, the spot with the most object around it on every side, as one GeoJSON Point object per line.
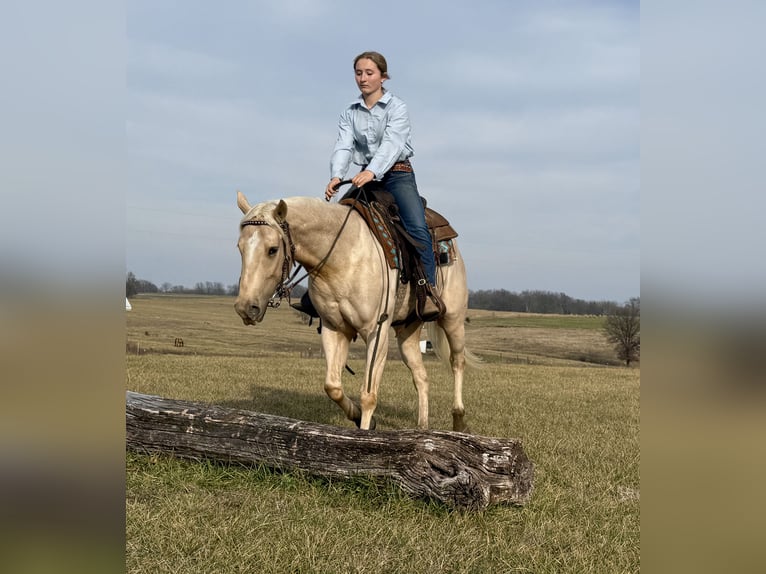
{"type": "Point", "coordinates": [368, 76]}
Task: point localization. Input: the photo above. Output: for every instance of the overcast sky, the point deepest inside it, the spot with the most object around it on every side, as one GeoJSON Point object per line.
{"type": "Point", "coordinates": [525, 123]}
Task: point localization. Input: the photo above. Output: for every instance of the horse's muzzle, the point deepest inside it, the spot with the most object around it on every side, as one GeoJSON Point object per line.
{"type": "Point", "coordinates": [250, 313]}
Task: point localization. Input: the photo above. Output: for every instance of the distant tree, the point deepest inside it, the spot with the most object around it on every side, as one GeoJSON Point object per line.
{"type": "Point", "coordinates": [623, 330]}
{"type": "Point", "coordinates": [131, 285]}
{"type": "Point", "coordinates": [134, 286]}
{"type": "Point", "coordinates": [536, 302]}
{"type": "Point", "coordinates": [145, 286]}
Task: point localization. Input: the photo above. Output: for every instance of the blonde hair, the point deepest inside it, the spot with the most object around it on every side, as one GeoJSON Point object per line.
{"type": "Point", "coordinates": [378, 59]}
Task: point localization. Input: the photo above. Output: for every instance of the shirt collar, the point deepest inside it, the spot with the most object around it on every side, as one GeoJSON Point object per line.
{"type": "Point", "coordinates": [384, 99]}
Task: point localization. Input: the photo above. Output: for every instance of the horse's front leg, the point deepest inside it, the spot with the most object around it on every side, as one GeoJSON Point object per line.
{"type": "Point", "coordinates": [335, 345]}
{"type": "Point", "coordinates": [377, 351]}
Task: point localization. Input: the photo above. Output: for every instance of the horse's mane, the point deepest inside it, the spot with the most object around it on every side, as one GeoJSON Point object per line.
{"type": "Point", "coordinates": [265, 209]}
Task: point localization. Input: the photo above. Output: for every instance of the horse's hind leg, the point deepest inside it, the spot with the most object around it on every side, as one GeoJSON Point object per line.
{"type": "Point", "coordinates": [454, 330]}
{"type": "Point", "coordinates": [408, 338]}
{"type": "Point", "coordinates": [335, 345]}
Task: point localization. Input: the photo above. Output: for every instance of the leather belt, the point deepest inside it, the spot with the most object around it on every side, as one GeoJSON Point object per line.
{"type": "Point", "coordinates": [402, 166]}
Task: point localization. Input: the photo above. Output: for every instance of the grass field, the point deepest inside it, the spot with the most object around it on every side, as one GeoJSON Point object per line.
{"type": "Point", "coordinates": [549, 380]}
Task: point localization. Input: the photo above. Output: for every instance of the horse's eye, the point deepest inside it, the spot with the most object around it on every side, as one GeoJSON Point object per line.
{"type": "Point", "coordinates": [273, 251]}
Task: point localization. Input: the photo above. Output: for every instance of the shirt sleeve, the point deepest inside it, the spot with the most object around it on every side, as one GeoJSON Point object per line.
{"type": "Point", "coordinates": [395, 136]}
{"type": "Point", "coordinates": [344, 147]}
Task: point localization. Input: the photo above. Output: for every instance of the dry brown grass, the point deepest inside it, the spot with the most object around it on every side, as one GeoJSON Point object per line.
{"type": "Point", "coordinates": [579, 423]}
{"type": "Point", "coordinates": [209, 326]}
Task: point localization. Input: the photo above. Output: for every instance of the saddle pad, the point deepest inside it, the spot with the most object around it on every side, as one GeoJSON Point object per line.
{"type": "Point", "coordinates": [377, 220]}
{"type": "Point", "coordinates": [379, 228]}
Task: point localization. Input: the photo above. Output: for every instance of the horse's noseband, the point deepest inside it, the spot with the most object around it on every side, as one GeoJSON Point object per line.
{"type": "Point", "coordinates": [282, 290]}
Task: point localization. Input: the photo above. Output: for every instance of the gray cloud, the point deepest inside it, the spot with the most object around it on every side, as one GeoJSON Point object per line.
{"type": "Point", "coordinates": [525, 126]}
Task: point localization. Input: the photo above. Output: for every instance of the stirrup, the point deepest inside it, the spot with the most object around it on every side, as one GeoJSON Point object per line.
{"type": "Point", "coordinates": [428, 312]}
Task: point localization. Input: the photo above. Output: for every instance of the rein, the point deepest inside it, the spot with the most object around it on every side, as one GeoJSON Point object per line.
{"type": "Point", "coordinates": [286, 290]}
{"type": "Point", "coordinates": [288, 282]}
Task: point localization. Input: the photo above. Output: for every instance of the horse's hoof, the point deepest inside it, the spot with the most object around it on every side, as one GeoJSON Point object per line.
{"type": "Point", "coordinates": [358, 423]}
{"type": "Point", "coordinates": [462, 428]}
{"type": "Point", "coordinates": [458, 423]}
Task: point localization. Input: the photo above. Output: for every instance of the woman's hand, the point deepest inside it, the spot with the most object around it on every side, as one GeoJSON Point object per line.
{"type": "Point", "coordinates": [362, 178]}
{"type": "Point", "coordinates": [331, 188]}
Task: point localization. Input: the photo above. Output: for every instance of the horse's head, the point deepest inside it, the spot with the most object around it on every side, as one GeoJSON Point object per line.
{"type": "Point", "coordinates": [265, 256]}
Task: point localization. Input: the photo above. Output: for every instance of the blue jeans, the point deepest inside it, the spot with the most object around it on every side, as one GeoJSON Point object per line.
{"type": "Point", "coordinates": [401, 184]}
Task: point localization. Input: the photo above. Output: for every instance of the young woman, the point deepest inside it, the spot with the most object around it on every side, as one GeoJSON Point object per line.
{"type": "Point", "coordinates": [374, 133]}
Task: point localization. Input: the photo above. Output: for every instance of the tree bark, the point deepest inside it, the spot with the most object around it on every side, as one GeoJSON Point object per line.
{"type": "Point", "coordinates": [461, 470]}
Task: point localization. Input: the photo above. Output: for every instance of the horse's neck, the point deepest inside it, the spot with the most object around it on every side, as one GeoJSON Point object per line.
{"type": "Point", "coordinates": [314, 226]}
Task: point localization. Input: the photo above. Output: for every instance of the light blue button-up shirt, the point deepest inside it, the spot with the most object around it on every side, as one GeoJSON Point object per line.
{"type": "Point", "coordinates": [378, 137]}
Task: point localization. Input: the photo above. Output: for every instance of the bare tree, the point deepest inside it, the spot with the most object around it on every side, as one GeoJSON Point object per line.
{"type": "Point", "coordinates": [623, 330]}
{"type": "Point", "coordinates": [134, 286]}
{"type": "Point", "coordinates": [131, 284]}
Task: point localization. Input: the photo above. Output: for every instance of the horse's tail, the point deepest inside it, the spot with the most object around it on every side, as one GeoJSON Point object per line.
{"type": "Point", "coordinates": [440, 345]}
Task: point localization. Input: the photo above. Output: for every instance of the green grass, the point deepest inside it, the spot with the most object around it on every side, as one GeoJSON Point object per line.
{"type": "Point", "coordinates": [509, 320]}
{"type": "Point", "coordinates": [579, 423]}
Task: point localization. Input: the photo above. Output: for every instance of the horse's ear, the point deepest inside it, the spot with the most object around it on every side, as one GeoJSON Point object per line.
{"type": "Point", "coordinates": [242, 202]}
{"type": "Point", "coordinates": [280, 212]}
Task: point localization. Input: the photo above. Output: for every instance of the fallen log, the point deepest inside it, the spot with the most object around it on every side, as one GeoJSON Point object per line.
{"type": "Point", "coordinates": [461, 470]}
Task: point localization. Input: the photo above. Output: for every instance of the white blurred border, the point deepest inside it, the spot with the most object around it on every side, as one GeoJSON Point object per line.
{"type": "Point", "coordinates": [703, 285]}
{"type": "Point", "coordinates": [62, 285]}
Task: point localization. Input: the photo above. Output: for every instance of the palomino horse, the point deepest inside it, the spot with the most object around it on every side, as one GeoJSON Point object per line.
{"type": "Point", "coordinates": [355, 293]}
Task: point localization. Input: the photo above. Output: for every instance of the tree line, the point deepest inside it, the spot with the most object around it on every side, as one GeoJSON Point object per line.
{"type": "Point", "coordinates": [134, 286]}
{"type": "Point", "coordinates": [531, 301]}
{"type": "Point", "coordinates": [622, 327]}
{"type": "Point", "coordinates": [547, 302]}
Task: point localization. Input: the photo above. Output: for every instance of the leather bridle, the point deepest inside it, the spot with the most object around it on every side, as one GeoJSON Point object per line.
{"type": "Point", "coordinates": [283, 289]}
